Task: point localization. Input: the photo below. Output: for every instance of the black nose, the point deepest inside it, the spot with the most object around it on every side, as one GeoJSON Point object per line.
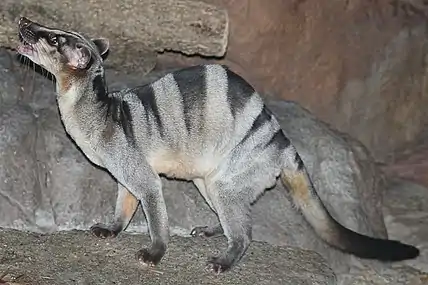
{"type": "Point", "coordinates": [24, 22]}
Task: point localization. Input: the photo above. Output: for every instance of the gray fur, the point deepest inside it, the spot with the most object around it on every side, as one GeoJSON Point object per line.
{"type": "Point", "coordinates": [204, 124]}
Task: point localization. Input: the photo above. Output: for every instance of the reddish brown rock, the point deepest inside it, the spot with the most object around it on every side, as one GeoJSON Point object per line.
{"type": "Point", "coordinates": [410, 164]}
{"type": "Point", "coordinates": [355, 64]}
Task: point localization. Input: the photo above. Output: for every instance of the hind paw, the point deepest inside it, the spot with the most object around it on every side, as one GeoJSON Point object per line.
{"type": "Point", "coordinates": [200, 232]}
{"type": "Point", "coordinates": [206, 231]}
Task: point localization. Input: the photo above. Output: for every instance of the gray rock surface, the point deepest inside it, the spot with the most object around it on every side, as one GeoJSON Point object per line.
{"type": "Point", "coordinates": [47, 185]}
{"type": "Point", "coordinates": [76, 257]}
{"type": "Point", "coordinates": [406, 216]}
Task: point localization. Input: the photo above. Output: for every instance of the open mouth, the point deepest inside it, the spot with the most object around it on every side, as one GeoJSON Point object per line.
{"type": "Point", "coordinates": [25, 48]}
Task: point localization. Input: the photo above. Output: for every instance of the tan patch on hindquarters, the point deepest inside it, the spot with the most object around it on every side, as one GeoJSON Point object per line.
{"type": "Point", "coordinates": [129, 205]}
{"type": "Point", "coordinates": [298, 185]}
{"type": "Point", "coordinates": [314, 212]}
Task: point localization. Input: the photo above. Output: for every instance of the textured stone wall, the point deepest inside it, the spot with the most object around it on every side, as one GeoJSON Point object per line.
{"type": "Point", "coordinates": [358, 65]}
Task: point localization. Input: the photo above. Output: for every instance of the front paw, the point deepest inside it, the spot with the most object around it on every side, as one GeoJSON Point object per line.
{"type": "Point", "coordinates": [103, 231]}
{"type": "Point", "coordinates": [151, 256]}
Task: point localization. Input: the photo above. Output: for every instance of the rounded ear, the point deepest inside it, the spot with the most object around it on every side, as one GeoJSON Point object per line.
{"type": "Point", "coordinates": [102, 45]}
{"type": "Point", "coordinates": [79, 57]}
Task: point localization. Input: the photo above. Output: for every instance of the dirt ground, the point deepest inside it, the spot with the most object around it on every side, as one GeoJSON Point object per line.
{"type": "Point", "coordinates": [77, 257]}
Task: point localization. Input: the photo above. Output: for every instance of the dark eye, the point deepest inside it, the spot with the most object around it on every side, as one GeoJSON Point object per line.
{"type": "Point", "coordinates": [52, 39]}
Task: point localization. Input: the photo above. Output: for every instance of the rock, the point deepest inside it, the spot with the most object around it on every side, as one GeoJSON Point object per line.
{"type": "Point", "coordinates": [186, 26]}
{"type": "Point", "coordinates": [406, 201]}
{"type": "Point", "coordinates": [20, 191]}
{"type": "Point", "coordinates": [358, 65]}
{"type": "Point", "coordinates": [396, 275]}
{"type": "Point", "coordinates": [9, 88]}
{"type": "Point", "coordinates": [410, 163]}
{"type": "Point", "coordinates": [79, 258]}
{"type": "Point", "coordinates": [406, 216]}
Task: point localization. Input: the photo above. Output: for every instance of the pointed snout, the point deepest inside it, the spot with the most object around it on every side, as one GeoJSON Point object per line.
{"type": "Point", "coordinates": [24, 22]}
{"type": "Point", "coordinates": [28, 30]}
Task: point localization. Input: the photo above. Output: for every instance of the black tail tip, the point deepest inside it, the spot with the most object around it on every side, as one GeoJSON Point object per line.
{"type": "Point", "coordinates": [395, 251]}
{"type": "Point", "coordinates": [405, 251]}
{"type": "Point", "coordinates": [380, 249]}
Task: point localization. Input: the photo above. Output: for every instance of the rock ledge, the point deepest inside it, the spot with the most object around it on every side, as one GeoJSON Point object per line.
{"type": "Point", "coordinates": [76, 257]}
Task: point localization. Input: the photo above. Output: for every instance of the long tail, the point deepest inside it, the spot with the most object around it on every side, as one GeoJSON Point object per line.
{"type": "Point", "coordinates": [295, 177]}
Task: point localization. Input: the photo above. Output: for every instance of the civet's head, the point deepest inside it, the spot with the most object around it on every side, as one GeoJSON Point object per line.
{"type": "Point", "coordinates": [59, 51]}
